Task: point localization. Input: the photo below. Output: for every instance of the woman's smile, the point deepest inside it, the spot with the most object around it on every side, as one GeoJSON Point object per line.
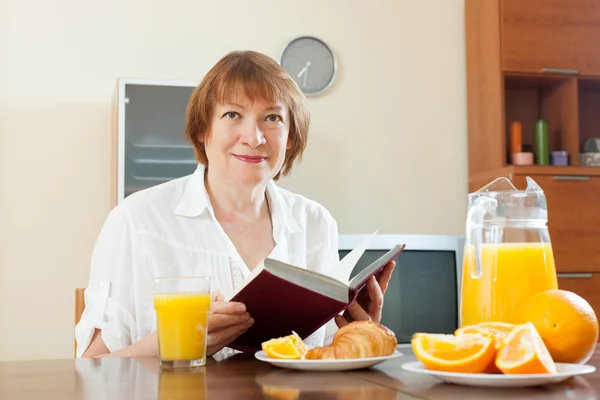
{"type": "Point", "coordinates": [250, 159]}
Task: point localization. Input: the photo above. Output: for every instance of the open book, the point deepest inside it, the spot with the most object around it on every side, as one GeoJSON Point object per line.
{"type": "Point", "coordinates": [283, 298]}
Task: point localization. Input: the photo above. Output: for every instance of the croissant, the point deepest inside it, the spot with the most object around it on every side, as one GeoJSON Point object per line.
{"type": "Point", "coordinates": [358, 339]}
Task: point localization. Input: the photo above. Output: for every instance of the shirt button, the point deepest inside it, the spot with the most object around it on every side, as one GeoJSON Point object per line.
{"type": "Point", "coordinates": [104, 285]}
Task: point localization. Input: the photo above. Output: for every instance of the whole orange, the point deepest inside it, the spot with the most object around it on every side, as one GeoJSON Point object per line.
{"type": "Point", "coordinates": [565, 321]}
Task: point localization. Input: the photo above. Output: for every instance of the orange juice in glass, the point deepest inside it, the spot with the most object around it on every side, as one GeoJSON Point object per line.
{"type": "Point", "coordinates": [182, 305]}
{"type": "Point", "coordinates": [508, 254]}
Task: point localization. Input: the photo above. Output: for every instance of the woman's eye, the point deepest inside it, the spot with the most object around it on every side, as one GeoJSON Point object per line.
{"type": "Point", "coordinates": [273, 118]}
{"type": "Point", "coordinates": [231, 114]}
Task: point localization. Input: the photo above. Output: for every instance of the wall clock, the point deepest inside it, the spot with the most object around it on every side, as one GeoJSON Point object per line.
{"type": "Point", "coordinates": [310, 62]}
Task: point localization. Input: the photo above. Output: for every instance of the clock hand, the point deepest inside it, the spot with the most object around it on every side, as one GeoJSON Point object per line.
{"type": "Point", "coordinates": [305, 78]}
{"type": "Point", "coordinates": [304, 71]}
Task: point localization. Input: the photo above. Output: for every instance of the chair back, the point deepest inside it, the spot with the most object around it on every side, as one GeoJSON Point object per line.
{"type": "Point", "coordinates": [79, 307]}
{"type": "Point", "coordinates": [79, 304]}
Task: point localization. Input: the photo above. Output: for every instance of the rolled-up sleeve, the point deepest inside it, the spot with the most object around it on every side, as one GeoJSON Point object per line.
{"type": "Point", "coordinates": [110, 295]}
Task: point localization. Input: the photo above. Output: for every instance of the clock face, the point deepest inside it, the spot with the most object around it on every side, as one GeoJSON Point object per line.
{"type": "Point", "coordinates": [310, 62]}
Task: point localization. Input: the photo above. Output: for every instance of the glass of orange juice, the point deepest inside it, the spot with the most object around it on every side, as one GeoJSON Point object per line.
{"type": "Point", "coordinates": [182, 305]}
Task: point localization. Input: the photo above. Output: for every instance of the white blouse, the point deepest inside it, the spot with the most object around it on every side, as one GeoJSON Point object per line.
{"type": "Point", "coordinates": [170, 229]}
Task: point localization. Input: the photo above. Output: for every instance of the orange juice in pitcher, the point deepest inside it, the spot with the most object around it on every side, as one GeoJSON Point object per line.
{"type": "Point", "coordinates": [508, 254]}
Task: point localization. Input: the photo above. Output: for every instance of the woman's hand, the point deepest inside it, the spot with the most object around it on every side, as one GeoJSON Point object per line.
{"type": "Point", "coordinates": [369, 303]}
{"type": "Point", "coordinates": [226, 321]}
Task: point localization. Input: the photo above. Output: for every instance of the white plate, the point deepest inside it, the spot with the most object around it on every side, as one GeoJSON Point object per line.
{"type": "Point", "coordinates": [565, 371]}
{"type": "Point", "coordinates": [325, 365]}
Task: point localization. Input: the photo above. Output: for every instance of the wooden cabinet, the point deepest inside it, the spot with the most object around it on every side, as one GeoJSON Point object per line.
{"type": "Point", "coordinates": [573, 219]}
{"type": "Point", "coordinates": [507, 48]}
{"type": "Point", "coordinates": [551, 35]}
{"type": "Point", "coordinates": [540, 59]}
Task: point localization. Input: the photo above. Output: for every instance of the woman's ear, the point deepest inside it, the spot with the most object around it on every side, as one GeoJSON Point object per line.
{"type": "Point", "coordinates": [290, 144]}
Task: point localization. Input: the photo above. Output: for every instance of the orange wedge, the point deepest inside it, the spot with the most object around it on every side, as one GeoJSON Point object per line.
{"type": "Point", "coordinates": [524, 352]}
{"type": "Point", "coordinates": [499, 330]}
{"type": "Point", "coordinates": [299, 343]}
{"type": "Point", "coordinates": [470, 353]}
{"type": "Point", "coordinates": [288, 347]}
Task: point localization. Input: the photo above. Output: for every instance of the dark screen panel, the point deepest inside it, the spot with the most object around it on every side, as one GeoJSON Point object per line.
{"type": "Point", "coordinates": [422, 293]}
{"type": "Point", "coordinates": [156, 150]}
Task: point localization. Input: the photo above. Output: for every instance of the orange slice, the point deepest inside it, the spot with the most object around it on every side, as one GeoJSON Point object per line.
{"type": "Point", "coordinates": [470, 353]}
{"type": "Point", "coordinates": [299, 343]}
{"type": "Point", "coordinates": [524, 352]}
{"type": "Point", "coordinates": [499, 330]}
{"type": "Point", "coordinates": [287, 347]}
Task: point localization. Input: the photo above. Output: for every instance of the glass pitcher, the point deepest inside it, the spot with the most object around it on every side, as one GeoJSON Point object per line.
{"type": "Point", "coordinates": [508, 254]}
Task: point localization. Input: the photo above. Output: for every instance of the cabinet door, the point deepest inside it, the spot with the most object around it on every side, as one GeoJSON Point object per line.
{"type": "Point", "coordinates": [573, 219]}
{"type": "Point", "coordinates": [551, 34]}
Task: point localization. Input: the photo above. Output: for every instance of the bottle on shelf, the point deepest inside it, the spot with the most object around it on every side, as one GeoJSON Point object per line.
{"type": "Point", "coordinates": [518, 155]}
{"type": "Point", "coordinates": [542, 151]}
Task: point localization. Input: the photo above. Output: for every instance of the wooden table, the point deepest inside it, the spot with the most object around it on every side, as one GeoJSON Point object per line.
{"type": "Point", "coordinates": [243, 377]}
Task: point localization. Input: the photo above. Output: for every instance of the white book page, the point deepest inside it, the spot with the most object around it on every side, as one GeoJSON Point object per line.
{"type": "Point", "coordinates": [343, 270]}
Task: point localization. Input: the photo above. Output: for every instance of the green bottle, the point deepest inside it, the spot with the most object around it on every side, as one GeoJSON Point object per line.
{"type": "Point", "coordinates": [542, 153]}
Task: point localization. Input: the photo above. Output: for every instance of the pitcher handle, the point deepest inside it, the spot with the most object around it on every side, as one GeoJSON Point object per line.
{"type": "Point", "coordinates": [474, 231]}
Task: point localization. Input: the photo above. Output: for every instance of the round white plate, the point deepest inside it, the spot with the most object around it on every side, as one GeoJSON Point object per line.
{"type": "Point", "coordinates": [565, 371]}
{"type": "Point", "coordinates": [325, 365]}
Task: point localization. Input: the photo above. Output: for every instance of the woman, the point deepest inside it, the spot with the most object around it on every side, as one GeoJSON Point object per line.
{"type": "Point", "coordinates": [248, 123]}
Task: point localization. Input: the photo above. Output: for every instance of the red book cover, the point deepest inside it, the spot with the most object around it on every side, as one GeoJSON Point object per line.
{"type": "Point", "coordinates": [282, 298]}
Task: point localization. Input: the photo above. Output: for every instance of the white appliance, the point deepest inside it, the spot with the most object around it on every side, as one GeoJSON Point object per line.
{"type": "Point", "coordinates": [424, 292]}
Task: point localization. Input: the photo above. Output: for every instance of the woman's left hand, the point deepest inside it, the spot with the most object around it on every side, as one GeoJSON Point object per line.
{"type": "Point", "coordinates": [369, 303]}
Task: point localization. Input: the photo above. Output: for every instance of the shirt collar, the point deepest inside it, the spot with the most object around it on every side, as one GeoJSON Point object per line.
{"type": "Point", "coordinates": [281, 211]}
{"type": "Point", "coordinates": [194, 201]}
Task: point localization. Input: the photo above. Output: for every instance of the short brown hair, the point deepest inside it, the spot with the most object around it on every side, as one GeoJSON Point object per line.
{"type": "Point", "coordinates": [260, 77]}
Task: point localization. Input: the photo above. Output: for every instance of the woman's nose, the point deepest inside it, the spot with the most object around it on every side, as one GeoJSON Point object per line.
{"type": "Point", "coordinates": [252, 135]}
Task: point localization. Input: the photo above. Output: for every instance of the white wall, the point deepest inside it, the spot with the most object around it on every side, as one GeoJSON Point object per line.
{"type": "Point", "coordinates": [387, 148]}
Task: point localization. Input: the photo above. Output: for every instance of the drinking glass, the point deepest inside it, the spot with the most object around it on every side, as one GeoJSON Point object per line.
{"type": "Point", "coordinates": [182, 305]}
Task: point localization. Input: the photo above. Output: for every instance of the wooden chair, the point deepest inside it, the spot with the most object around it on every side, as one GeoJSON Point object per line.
{"type": "Point", "coordinates": [79, 306]}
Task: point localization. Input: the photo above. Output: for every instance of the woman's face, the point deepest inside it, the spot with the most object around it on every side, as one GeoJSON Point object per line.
{"type": "Point", "coordinates": [247, 141]}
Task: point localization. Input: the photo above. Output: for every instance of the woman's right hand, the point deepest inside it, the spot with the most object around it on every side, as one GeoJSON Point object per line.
{"type": "Point", "coordinates": [226, 321]}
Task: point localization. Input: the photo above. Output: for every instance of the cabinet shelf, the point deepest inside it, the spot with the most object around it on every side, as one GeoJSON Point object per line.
{"type": "Point", "coordinates": [570, 104]}
{"type": "Point", "coordinates": [529, 97]}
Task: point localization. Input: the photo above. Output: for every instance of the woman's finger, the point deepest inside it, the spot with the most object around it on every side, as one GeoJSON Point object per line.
{"type": "Point", "coordinates": [340, 321]}
{"type": "Point", "coordinates": [226, 335]}
{"type": "Point", "coordinates": [357, 312]}
{"type": "Point", "coordinates": [220, 321]}
{"type": "Point", "coordinates": [232, 338]}
{"type": "Point", "coordinates": [227, 307]}
{"type": "Point", "coordinates": [385, 276]}
{"type": "Point", "coordinates": [375, 300]}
